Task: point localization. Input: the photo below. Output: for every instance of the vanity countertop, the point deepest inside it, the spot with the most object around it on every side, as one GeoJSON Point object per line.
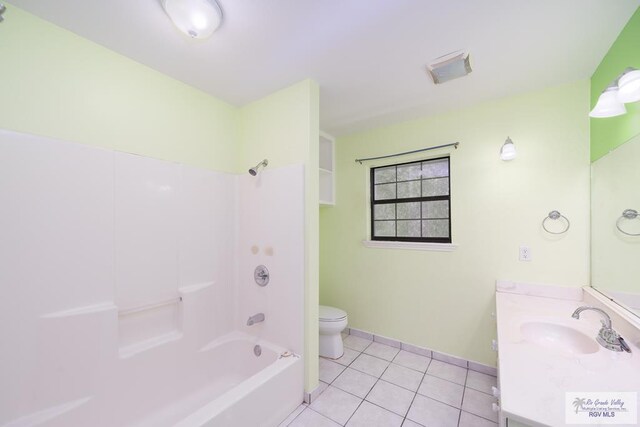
{"type": "Point", "coordinates": [533, 378]}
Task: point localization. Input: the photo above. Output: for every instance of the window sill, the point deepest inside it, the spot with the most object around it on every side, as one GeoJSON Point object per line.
{"type": "Point", "coordinates": [416, 246]}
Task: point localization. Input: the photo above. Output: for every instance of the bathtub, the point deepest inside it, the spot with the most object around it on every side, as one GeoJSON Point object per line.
{"type": "Point", "coordinates": [267, 387]}
{"type": "Point", "coordinates": [223, 384]}
{"type": "Point", "coordinates": [243, 389]}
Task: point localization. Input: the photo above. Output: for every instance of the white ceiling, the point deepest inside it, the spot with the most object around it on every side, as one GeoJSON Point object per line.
{"type": "Point", "coordinates": [367, 55]}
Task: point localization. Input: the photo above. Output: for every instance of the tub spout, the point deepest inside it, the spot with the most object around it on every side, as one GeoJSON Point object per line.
{"type": "Point", "coordinates": [256, 318]}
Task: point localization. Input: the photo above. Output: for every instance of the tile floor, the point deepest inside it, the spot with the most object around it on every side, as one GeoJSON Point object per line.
{"type": "Point", "coordinates": [374, 384]}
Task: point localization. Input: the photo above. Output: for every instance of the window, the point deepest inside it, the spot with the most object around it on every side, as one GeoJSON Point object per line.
{"type": "Point", "coordinates": [410, 202]}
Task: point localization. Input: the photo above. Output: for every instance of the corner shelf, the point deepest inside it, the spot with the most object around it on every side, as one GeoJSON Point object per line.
{"type": "Point", "coordinates": [327, 169]}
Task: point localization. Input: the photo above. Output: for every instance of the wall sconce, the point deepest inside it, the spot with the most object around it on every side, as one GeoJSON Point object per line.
{"type": "Point", "coordinates": [608, 104]}
{"type": "Point", "coordinates": [508, 150]}
{"type": "Point", "coordinates": [3, 9]}
{"type": "Point", "coordinates": [196, 18]}
{"type": "Point", "coordinates": [629, 86]}
{"type": "Point", "coordinates": [623, 90]}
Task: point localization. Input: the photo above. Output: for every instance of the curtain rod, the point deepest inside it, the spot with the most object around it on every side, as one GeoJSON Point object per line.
{"type": "Point", "coordinates": [454, 144]}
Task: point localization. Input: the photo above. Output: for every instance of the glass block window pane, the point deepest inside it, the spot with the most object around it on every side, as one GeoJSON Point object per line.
{"type": "Point", "coordinates": [384, 228]}
{"type": "Point", "coordinates": [435, 209]}
{"type": "Point", "coordinates": [435, 187]}
{"type": "Point", "coordinates": [384, 175]}
{"type": "Point", "coordinates": [410, 202]}
{"type": "Point", "coordinates": [409, 172]}
{"type": "Point", "coordinates": [386, 211]}
{"type": "Point", "coordinates": [408, 189]}
{"type": "Point", "coordinates": [435, 228]}
{"type": "Point", "coordinates": [435, 168]}
{"type": "Point", "coordinates": [409, 210]}
{"type": "Point", "coordinates": [408, 228]}
{"type": "Point", "coordinates": [385, 191]}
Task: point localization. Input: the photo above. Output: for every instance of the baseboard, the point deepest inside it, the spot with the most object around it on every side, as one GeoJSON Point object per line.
{"type": "Point", "coordinates": [443, 357]}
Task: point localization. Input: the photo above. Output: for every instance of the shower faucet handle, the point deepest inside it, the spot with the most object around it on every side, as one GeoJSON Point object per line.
{"type": "Point", "coordinates": [261, 275]}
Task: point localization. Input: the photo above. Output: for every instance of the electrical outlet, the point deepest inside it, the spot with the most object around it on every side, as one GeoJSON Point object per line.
{"type": "Point", "coordinates": [525, 253]}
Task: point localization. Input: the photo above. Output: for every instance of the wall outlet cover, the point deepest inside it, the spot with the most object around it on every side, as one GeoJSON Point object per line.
{"type": "Point", "coordinates": [525, 253]}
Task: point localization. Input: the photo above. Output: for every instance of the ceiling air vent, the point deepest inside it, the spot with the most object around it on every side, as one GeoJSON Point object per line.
{"type": "Point", "coordinates": [449, 67]}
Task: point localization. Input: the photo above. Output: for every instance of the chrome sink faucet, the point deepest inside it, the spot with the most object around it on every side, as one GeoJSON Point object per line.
{"type": "Point", "coordinates": [256, 318]}
{"type": "Point", "coordinates": [607, 337]}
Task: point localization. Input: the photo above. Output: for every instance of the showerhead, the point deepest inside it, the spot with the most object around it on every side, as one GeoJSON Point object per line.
{"type": "Point", "coordinates": [254, 170]}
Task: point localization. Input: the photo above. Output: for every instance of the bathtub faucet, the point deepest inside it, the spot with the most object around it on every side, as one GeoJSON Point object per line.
{"type": "Point", "coordinates": [256, 318]}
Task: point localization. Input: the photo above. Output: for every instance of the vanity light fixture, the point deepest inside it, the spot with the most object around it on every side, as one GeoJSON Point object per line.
{"type": "Point", "coordinates": [629, 86]}
{"type": "Point", "coordinates": [196, 18]}
{"type": "Point", "coordinates": [3, 9]}
{"type": "Point", "coordinates": [508, 150]}
{"type": "Point", "coordinates": [608, 104]}
{"type": "Point", "coordinates": [623, 90]}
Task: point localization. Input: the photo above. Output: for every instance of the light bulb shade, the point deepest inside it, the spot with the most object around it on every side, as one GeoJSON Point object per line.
{"type": "Point", "coordinates": [608, 104]}
{"type": "Point", "coordinates": [196, 18]}
{"type": "Point", "coordinates": [508, 150]}
{"type": "Point", "coordinates": [629, 86]}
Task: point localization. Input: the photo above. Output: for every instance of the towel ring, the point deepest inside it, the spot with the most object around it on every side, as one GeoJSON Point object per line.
{"type": "Point", "coordinates": [627, 214]}
{"type": "Point", "coordinates": [555, 215]}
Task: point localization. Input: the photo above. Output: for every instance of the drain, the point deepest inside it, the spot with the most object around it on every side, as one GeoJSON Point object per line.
{"type": "Point", "coordinates": [257, 350]}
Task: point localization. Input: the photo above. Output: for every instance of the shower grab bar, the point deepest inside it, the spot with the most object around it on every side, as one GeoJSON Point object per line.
{"type": "Point", "coordinates": [149, 306]}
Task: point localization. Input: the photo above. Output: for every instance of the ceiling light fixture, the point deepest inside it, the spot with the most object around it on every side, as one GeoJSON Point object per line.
{"type": "Point", "coordinates": [508, 150]}
{"type": "Point", "coordinates": [629, 86]}
{"type": "Point", "coordinates": [196, 18]}
{"type": "Point", "coordinates": [608, 104]}
{"type": "Point", "coordinates": [450, 66]}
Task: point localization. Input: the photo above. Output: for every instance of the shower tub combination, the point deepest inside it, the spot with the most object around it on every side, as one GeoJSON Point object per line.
{"type": "Point", "coordinates": [226, 385]}
{"type": "Point", "coordinates": [94, 334]}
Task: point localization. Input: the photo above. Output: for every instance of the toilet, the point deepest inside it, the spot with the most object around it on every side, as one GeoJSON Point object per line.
{"type": "Point", "coordinates": [332, 322]}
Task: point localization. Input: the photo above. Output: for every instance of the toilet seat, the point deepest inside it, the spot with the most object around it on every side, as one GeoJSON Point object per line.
{"type": "Point", "coordinates": [331, 314]}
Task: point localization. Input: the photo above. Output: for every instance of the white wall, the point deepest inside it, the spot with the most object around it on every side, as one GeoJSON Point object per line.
{"type": "Point", "coordinates": [90, 233]}
{"type": "Point", "coordinates": [271, 233]}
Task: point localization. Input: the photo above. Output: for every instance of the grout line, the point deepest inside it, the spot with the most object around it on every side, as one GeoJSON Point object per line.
{"type": "Point", "coordinates": [330, 419]}
{"type": "Point", "coordinates": [424, 374]}
{"type": "Point", "coordinates": [479, 416]}
{"type": "Point", "coordinates": [294, 418]}
{"type": "Point", "coordinates": [365, 396]}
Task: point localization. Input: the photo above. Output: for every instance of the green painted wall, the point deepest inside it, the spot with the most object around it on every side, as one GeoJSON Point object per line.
{"type": "Point", "coordinates": [59, 85]}
{"type": "Point", "coordinates": [608, 133]}
{"type": "Point", "coordinates": [444, 300]}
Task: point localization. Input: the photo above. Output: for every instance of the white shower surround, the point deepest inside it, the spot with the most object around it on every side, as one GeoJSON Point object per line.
{"type": "Point", "coordinates": [89, 232]}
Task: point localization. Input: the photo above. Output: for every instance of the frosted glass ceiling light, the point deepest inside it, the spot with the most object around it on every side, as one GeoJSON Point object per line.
{"type": "Point", "coordinates": [196, 18]}
{"type": "Point", "coordinates": [608, 104]}
{"type": "Point", "coordinates": [508, 150]}
{"type": "Point", "coordinates": [629, 86]}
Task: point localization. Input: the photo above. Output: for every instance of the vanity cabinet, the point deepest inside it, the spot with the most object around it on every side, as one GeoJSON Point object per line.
{"type": "Point", "coordinates": [327, 170]}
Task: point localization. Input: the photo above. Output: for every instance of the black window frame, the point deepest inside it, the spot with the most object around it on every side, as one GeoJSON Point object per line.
{"type": "Point", "coordinates": [374, 202]}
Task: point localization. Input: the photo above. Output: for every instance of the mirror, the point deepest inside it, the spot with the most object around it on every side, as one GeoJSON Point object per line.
{"type": "Point", "coordinates": [615, 237]}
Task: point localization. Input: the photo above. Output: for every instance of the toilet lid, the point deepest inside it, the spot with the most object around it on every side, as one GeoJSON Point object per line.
{"type": "Point", "coordinates": [329, 314]}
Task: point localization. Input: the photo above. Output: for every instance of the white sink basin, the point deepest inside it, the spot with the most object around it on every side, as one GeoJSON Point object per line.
{"type": "Point", "coordinates": [559, 337]}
